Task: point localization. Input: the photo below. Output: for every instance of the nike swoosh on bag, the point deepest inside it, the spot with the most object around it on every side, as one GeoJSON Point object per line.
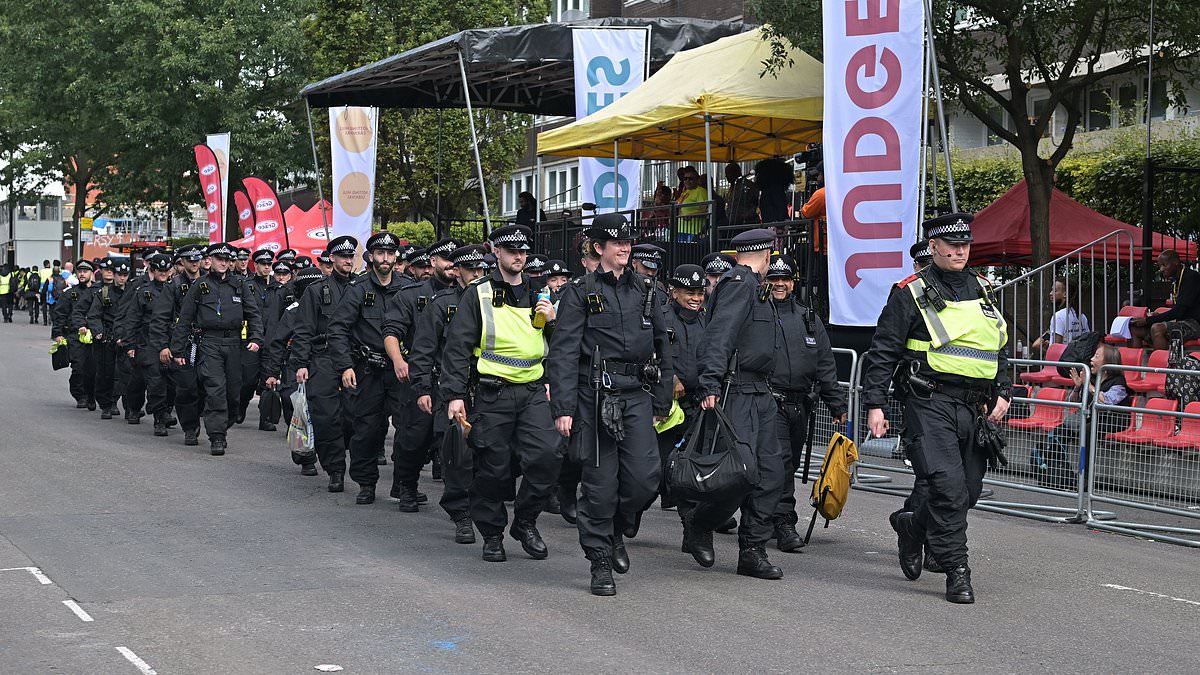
{"type": "Point", "coordinates": [701, 479]}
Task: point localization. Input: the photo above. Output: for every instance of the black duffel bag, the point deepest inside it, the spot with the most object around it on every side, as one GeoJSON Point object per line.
{"type": "Point", "coordinates": [728, 470]}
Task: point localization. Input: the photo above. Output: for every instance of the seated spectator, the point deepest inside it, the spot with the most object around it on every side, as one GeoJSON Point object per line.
{"type": "Point", "coordinates": [655, 219]}
{"type": "Point", "coordinates": [1067, 323]}
{"type": "Point", "coordinates": [693, 206]}
{"type": "Point", "coordinates": [742, 202]}
{"type": "Point", "coordinates": [1183, 318]}
{"type": "Point", "coordinates": [1112, 390]}
{"type": "Point", "coordinates": [527, 211]}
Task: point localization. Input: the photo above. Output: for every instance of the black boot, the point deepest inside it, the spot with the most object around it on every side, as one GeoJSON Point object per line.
{"type": "Point", "coordinates": [160, 426]}
{"type": "Point", "coordinates": [133, 417]}
{"type": "Point", "coordinates": [787, 539]}
{"type": "Point", "coordinates": [493, 548]}
{"type": "Point", "coordinates": [909, 545]}
{"type": "Point", "coordinates": [568, 505]}
{"type": "Point", "coordinates": [728, 526]}
{"type": "Point", "coordinates": [406, 499]}
{"type": "Point", "coordinates": [216, 446]}
{"type": "Point", "coordinates": [932, 565]}
{"type": "Point", "coordinates": [526, 532]}
{"type": "Point", "coordinates": [106, 414]}
{"type": "Point", "coordinates": [553, 505]}
{"type": "Point", "coordinates": [464, 531]}
{"type": "Point", "coordinates": [698, 542]}
{"type": "Point", "coordinates": [264, 425]}
{"type": "Point", "coordinates": [620, 556]}
{"type": "Point", "coordinates": [81, 403]}
{"type": "Point", "coordinates": [422, 498]}
{"type": "Point", "coordinates": [91, 404]}
{"type": "Point", "coordinates": [602, 574]}
{"type": "Point", "coordinates": [169, 420]}
{"type": "Point", "coordinates": [366, 494]}
{"type": "Point", "coordinates": [308, 470]}
{"type": "Point", "coordinates": [958, 585]}
{"type": "Point", "coordinates": [752, 562]}
{"type": "Point", "coordinates": [191, 437]}
{"type": "Point", "coordinates": [337, 481]}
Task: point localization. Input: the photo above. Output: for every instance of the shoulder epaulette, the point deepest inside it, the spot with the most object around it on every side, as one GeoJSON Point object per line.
{"type": "Point", "coordinates": [907, 280]}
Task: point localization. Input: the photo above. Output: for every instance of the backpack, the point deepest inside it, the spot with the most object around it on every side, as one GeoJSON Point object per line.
{"type": "Point", "coordinates": [832, 487]}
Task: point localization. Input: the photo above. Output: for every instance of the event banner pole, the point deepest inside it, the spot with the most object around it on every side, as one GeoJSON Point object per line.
{"type": "Point", "coordinates": [487, 216]}
{"type": "Point", "coordinates": [941, 112]}
{"type": "Point", "coordinates": [352, 143]}
{"type": "Point", "coordinates": [872, 140]}
{"type": "Point", "coordinates": [609, 63]}
{"type": "Point", "coordinates": [312, 139]}
{"type": "Point", "coordinates": [708, 175]}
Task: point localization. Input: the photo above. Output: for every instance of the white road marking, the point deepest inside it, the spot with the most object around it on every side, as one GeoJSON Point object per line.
{"type": "Point", "coordinates": [74, 607]}
{"type": "Point", "coordinates": [1139, 591]}
{"type": "Point", "coordinates": [36, 572]}
{"type": "Point", "coordinates": [328, 668]}
{"type": "Point", "coordinates": [137, 661]}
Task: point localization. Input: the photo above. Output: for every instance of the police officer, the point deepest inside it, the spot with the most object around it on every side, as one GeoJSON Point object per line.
{"type": "Point", "coordinates": [263, 287]}
{"type": "Point", "coordinates": [213, 311]}
{"type": "Point", "coordinates": [279, 296]}
{"type": "Point", "coordinates": [804, 374]}
{"type": "Point", "coordinates": [411, 448]}
{"type": "Point", "coordinates": [715, 266]}
{"type": "Point", "coordinates": [325, 263]}
{"type": "Point", "coordinates": [82, 382]}
{"type": "Point", "coordinates": [101, 320]}
{"type": "Point", "coordinates": [278, 374]}
{"type": "Point", "coordinates": [685, 332]}
{"type": "Point", "coordinates": [647, 259]}
{"type": "Point", "coordinates": [287, 255]}
{"type": "Point", "coordinates": [500, 322]}
{"type": "Point", "coordinates": [356, 348]}
{"type": "Point", "coordinates": [420, 267]}
{"type": "Point", "coordinates": [602, 357]}
{"type": "Point", "coordinates": [189, 394]}
{"type": "Point", "coordinates": [944, 333]}
{"type": "Point", "coordinates": [332, 427]}
{"type": "Point", "coordinates": [557, 275]}
{"type": "Point", "coordinates": [428, 338]}
{"type": "Point", "coordinates": [8, 292]}
{"type": "Point", "coordinates": [134, 334]}
{"type": "Point", "coordinates": [740, 345]}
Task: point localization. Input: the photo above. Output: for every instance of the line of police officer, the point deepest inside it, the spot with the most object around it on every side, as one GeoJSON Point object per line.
{"type": "Point", "coordinates": [578, 390]}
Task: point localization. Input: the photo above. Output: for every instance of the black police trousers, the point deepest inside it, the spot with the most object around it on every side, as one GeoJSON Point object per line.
{"type": "Point", "coordinates": [791, 427]}
{"type": "Point", "coordinates": [250, 363]}
{"type": "Point", "coordinates": [752, 415]}
{"type": "Point", "coordinates": [154, 377]}
{"type": "Point", "coordinates": [945, 459]}
{"type": "Point", "coordinates": [371, 405]}
{"type": "Point", "coordinates": [219, 369]}
{"type": "Point", "coordinates": [189, 395]}
{"type": "Point", "coordinates": [130, 383]}
{"type": "Point", "coordinates": [626, 480]}
{"type": "Point", "coordinates": [107, 393]}
{"type": "Point", "coordinates": [510, 422]}
{"type": "Point", "coordinates": [414, 436]}
{"type": "Point", "coordinates": [332, 423]}
{"type": "Point", "coordinates": [83, 370]}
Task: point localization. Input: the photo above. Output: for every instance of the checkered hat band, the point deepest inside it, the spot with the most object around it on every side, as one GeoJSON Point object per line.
{"type": "Point", "coordinates": [747, 248]}
{"type": "Point", "coordinates": [344, 247]}
{"type": "Point", "coordinates": [959, 227]}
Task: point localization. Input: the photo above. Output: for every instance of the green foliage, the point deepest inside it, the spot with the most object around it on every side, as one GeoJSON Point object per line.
{"type": "Point", "coordinates": [421, 234]}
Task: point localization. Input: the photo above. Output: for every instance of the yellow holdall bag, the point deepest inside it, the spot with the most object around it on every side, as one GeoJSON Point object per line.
{"type": "Point", "coordinates": [832, 487]}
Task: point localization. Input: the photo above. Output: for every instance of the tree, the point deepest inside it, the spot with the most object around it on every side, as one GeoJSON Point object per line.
{"type": "Point", "coordinates": [992, 54]}
{"type": "Point", "coordinates": [416, 147]}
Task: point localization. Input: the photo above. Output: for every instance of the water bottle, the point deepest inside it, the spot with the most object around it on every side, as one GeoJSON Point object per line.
{"type": "Point", "coordinates": [539, 319]}
{"type": "Point", "coordinates": [1020, 349]}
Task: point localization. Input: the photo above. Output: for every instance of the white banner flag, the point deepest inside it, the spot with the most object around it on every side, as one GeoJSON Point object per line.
{"type": "Point", "coordinates": [872, 138]}
{"type": "Point", "coordinates": [609, 63]}
{"type": "Point", "coordinates": [220, 147]}
{"type": "Point", "coordinates": [352, 133]}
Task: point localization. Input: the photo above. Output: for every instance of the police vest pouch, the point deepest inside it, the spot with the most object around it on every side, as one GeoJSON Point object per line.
{"type": "Point", "coordinates": [728, 471]}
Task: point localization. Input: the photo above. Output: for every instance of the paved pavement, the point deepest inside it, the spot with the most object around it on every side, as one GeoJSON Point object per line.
{"type": "Point", "coordinates": [187, 563]}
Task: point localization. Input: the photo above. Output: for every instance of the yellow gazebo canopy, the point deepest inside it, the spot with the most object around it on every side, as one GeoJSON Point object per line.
{"type": "Point", "coordinates": [753, 115]}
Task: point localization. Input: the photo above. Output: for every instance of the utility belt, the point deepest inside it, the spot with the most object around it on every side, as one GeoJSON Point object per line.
{"type": "Point", "coordinates": [220, 332]}
{"type": "Point", "coordinates": [320, 343]}
{"type": "Point", "coordinates": [923, 386]}
{"type": "Point", "coordinates": [793, 397]}
{"type": "Point", "coordinates": [494, 383]}
{"type": "Point", "coordinates": [647, 373]}
{"type": "Point", "coordinates": [371, 358]}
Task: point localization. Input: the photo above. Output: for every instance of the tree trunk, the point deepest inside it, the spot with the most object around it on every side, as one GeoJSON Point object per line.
{"type": "Point", "coordinates": [1039, 183]}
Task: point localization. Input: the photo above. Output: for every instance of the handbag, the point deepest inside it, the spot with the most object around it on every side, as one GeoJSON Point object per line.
{"type": "Point", "coordinates": [729, 470]}
{"type": "Point", "coordinates": [455, 451]}
{"type": "Point", "coordinates": [300, 439]}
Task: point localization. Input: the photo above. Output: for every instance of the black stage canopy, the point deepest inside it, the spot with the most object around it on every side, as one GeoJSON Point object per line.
{"type": "Point", "coordinates": [527, 68]}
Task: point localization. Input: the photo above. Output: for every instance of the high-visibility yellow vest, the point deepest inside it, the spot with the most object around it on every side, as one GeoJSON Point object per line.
{"type": "Point", "coordinates": [5, 283]}
{"type": "Point", "coordinates": [967, 335]}
{"type": "Point", "coordinates": [509, 346]}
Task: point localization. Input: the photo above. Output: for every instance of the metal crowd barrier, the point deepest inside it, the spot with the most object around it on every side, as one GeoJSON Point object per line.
{"type": "Point", "coordinates": [1154, 472]}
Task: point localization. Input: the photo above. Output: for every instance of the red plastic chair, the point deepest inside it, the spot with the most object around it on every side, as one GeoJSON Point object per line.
{"type": "Point", "coordinates": [1152, 381]}
{"type": "Point", "coordinates": [1044, 417]}
{"type": "Point", "coordinates": [1154, 427]}
{"type": "Point", "coordinates": [1132, 356]}
{"type": "Point", "coordinates": [1132, 427]}
{"type": "Point", "coordinates": [1188, 437]}
{"type": "Point", "coordinates": [1053, 353]}
{"type": "Point", "coordinates": [1132, 312]}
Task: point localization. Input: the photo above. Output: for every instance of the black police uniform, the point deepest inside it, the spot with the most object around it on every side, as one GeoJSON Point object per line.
{"type": "Point", "coordinates": [101, 320]}
{"type": "Point", "coordinates": [805, 373]}
{"type": "Point", "coordinates": [270, 405]}
{"type": "Point", "coordinates": [263, 289]}
{"type": "Point", "coordinates": [82, 382]}
{"type": "Point", "coordinates": [742, 321]}
{"type": "Point", "coordinates": [188, 392]}
{"type": "Point", "coordinates": [510, 422]}
{"type": "Point", "coordinates": [332, 423]}
{"type": "Point", "coordinates": [134, 333]}
{"type": "Point", "coordinates": [276, 362]}
{"type": "Point", "coordinates": [214, 309]}
{"type": "Point", "coordinates": [685, 331]}
{"type": "Point", "coordinates": [610, 312]}
{"type": "Point", "coordinates": [941, 422]}
{"type": "Point", "coordinates": [356, 341]}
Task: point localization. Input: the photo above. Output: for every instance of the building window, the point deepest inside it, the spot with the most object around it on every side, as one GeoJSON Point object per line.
{"type": "Point", "coordinates": [1158, 100]}
{"type": "Point", "coordinates": [1126, 103]}
{"type": "Point", "coordinates": [1099, 112]}
{"type": "Point", "coordinates": [559, 8]}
